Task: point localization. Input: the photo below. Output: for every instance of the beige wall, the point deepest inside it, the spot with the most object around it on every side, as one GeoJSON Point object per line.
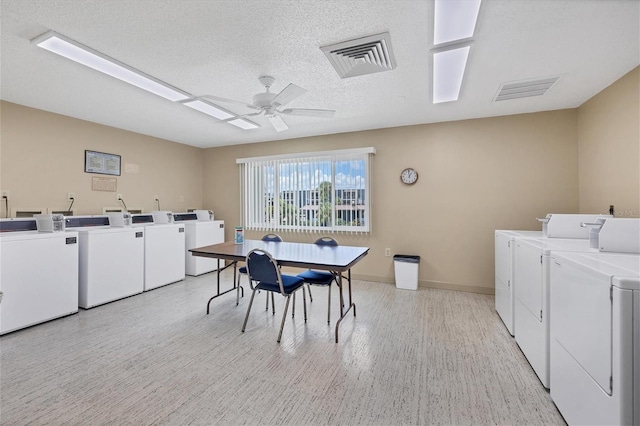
{"type": "Point", "coordinates": [42, 159]}
{"type": "Point", "coordinates": [609, 148]}
{"type": "Point", "coordinates": [475, 176]}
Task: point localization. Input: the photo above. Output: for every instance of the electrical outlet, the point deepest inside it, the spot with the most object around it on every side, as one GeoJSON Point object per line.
{"type": "Point", "coordinates": [71, 196]}
{"type": "Point", "coordinates": [5, 193]}
{"type": "Point", "coordinates": [387, 252]}
{"type": "Point", "coordinates": [155, 198]}
{"type": "Point", "coordinates": [119, 197]}
{"type": "Point", "coordinates": [182, 198]}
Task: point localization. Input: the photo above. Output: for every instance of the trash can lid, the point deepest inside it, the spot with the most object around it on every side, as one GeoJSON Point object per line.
{"type": "Point", "coordinates": [406, 258]}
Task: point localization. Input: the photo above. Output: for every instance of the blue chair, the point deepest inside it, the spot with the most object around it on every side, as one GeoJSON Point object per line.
{"type": "Point", "coordinates": [264, 270]}
{"type": "Point", "coordinates": [243, 270]}
{"type": "Point", "coordinates": [321, 278]}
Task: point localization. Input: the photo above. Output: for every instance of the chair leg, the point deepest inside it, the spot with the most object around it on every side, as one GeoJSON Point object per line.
{"type": "Point", "coordinates": [238, 291]}
{"type": "Point", "coordinates": [310, 295]}
{"type": "Point", "coordinates": [293, 308]}
{"type": "Point", "coordinates": [244, 325]}
{"type": "Point", "coordinates": [267, 295]}
{"type": "Point", "coordinates": [284, 316]}
{"type": "Point", "coordinates": [329, 306]}
{"type": "Point", "coordinates": [273, 303]}
{"type": "Point", "coordinates": [304, 303]}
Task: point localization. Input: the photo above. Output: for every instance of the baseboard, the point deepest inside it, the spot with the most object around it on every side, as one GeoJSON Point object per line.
{"type": "Point", "coordinates": [421, 283]}
{"type": "Point", "coordinates": [430, 284]}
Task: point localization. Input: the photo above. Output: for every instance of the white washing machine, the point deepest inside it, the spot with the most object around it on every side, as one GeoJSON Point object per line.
{"type": "Point", "coordinates": [595, 337]}
{"type": "Point", "coordinates": [111, 261]}
{"type": "Point", "coordinates": [553, 226]}
{"type": "Point", "coordinates": [164, 247]}
{"type": "Point", "coordinates": [505, 247]}
{"type": "Point", "coordinates": [200, 233]}
{"type": "Point", "coordinates": [38, 274]}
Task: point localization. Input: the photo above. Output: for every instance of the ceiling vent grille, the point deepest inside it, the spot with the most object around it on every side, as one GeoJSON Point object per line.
{"type": "Point", "coordinates": [366, 55]}
{"type": "Point", "coordinates": [525, 89]}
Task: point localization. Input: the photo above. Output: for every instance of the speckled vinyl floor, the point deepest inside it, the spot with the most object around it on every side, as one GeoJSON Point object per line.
{"type": "Point", "coordinates": [424, 357]}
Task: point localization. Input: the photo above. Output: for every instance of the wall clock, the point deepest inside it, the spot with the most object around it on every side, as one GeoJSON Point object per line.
{"type": "Point", "coordinates": [409, 176]}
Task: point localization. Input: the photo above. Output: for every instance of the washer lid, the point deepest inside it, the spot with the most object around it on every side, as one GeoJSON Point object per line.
{"type": "Point", "coordinates": [512, 235]}
{"type": "Point", "coordinates": [35, 235]}
{"type": "Point", "coordinates": [546, 245]}
{"type": "Point", "coordinates": [621, 270]}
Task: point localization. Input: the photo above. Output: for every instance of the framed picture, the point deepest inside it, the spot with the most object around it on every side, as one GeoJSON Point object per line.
{"type": "Point", "coordinates": [101, 162]}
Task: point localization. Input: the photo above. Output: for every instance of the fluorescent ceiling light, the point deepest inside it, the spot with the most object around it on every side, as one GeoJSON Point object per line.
{"type": "Point", "coordinates": [448, 70]}
{"type": "Point", "coordinates": [244, 124]}
{"type": "Point", "coordinates": [454, 20]}
{"type": "Point", "coordinates": [219, 113]}
{"type": "Point", "coordinates": [208, 109]}
{"type": "Point", "coordinates": [84, 55]}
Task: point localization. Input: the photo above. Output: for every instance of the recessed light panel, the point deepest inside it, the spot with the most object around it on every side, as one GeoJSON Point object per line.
{"type": "Point", "coordinates": [454, 20]}
{"type": "Point", "coordinates": [448, 70]}
{"type": "Point", "coordinates": [86, 56]}
{"type": "Point", "coordinates": [208, 109]}
{"type": "Point", "coordinates": [220, 114]}
{"type": "Point", "coordinates": [244, 124]}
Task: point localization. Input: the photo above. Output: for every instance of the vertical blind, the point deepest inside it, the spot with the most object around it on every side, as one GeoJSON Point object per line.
{"type": "Point", "coordinates": [310, 192]}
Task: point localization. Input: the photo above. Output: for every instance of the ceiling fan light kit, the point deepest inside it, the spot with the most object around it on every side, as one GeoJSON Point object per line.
{"type": "Point", "coordinates": [268, 104]}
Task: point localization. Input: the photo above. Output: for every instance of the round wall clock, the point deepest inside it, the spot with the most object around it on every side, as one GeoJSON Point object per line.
{"type": "Point", "coordinates": [409, 176]}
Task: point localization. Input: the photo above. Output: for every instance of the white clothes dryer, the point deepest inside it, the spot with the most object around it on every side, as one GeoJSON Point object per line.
{"type": "Point", "coordinates": [164, 246]}
{"type": "Point", "coordinates": [531, 308]}
{"type": "Point", "coordinates": [505, 248]}
{"type": "Point", "coordinates": [595, 337]}
{"type": "Point", "coordinates": [200, 233]}
{"type": "Point", "coordinates": [554, 226]}
{"type": "Point", "coordinates": [38, 274]}
{"type": "Point", "coordinates": [111, 261]}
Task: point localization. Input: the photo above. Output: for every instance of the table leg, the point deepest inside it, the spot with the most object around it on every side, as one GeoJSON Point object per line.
{"type": "Point", "coordinates": [218, 293]}
{"type": "Point", "coordinates": [344, 313]}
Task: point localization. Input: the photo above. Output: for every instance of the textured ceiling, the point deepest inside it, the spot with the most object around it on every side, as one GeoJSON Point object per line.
{"type": "Point", "coordinates": [222, 47]}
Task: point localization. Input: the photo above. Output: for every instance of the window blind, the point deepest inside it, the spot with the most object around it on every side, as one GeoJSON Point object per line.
{"type": "Point", "coordinates": [309, 192]}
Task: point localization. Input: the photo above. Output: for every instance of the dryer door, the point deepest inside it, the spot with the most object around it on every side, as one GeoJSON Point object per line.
{"type": "Point", "coordinates": [528, 278]}
{"type": "Point", "coordinates": [581, 323]}
{"type": "Point", "coordinates": [503, 290]}
{"type": "Point", "coordinates": [503, 258]}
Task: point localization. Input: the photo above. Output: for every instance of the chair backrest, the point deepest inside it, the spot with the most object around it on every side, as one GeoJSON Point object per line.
{"type": "Point", "coordinates": [326, 241]}
{"type": "Point", "coordinates": [263, 268]}
{"type": "Point", "coordinates": [273, 238]}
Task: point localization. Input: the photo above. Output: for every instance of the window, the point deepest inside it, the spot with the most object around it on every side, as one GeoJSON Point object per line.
{"type": "Point", "coordinates": [323, 191]}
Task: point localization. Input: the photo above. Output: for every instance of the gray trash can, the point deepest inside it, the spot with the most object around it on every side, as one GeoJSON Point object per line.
{"type": "Point", "coordinates": [406, 267]}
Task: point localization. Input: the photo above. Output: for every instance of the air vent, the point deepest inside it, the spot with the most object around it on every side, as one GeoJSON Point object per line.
{"type": "Point", "coordinates": [366, 55]}
{"type": "Point", "coordinates": [525, 89]}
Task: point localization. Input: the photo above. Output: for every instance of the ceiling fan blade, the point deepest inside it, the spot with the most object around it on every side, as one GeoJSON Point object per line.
{"type": "Point", "coordinates": [278, 123]}
{"type": "Point", "coordinates": [288, 94]}
{"type": "Point", "coordinates": [309, 112]}
{"type": "Point", "coordinates": [231, 101]}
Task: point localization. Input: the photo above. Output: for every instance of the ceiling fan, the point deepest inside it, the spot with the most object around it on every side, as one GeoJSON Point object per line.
{"type": "Point", "coordinates": [269, 104]}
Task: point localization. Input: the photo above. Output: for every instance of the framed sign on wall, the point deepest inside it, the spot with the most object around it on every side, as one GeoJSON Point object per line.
{"type": "Point", "coordinates": [101, 162]}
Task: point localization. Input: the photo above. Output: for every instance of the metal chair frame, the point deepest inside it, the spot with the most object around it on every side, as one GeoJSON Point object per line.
{"type": "Point", "coordinates": [267, 237]}
{"type": "Point", "coordinates": [324, 241]}
{"type": "Point", "coordinates": [256, 278]}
